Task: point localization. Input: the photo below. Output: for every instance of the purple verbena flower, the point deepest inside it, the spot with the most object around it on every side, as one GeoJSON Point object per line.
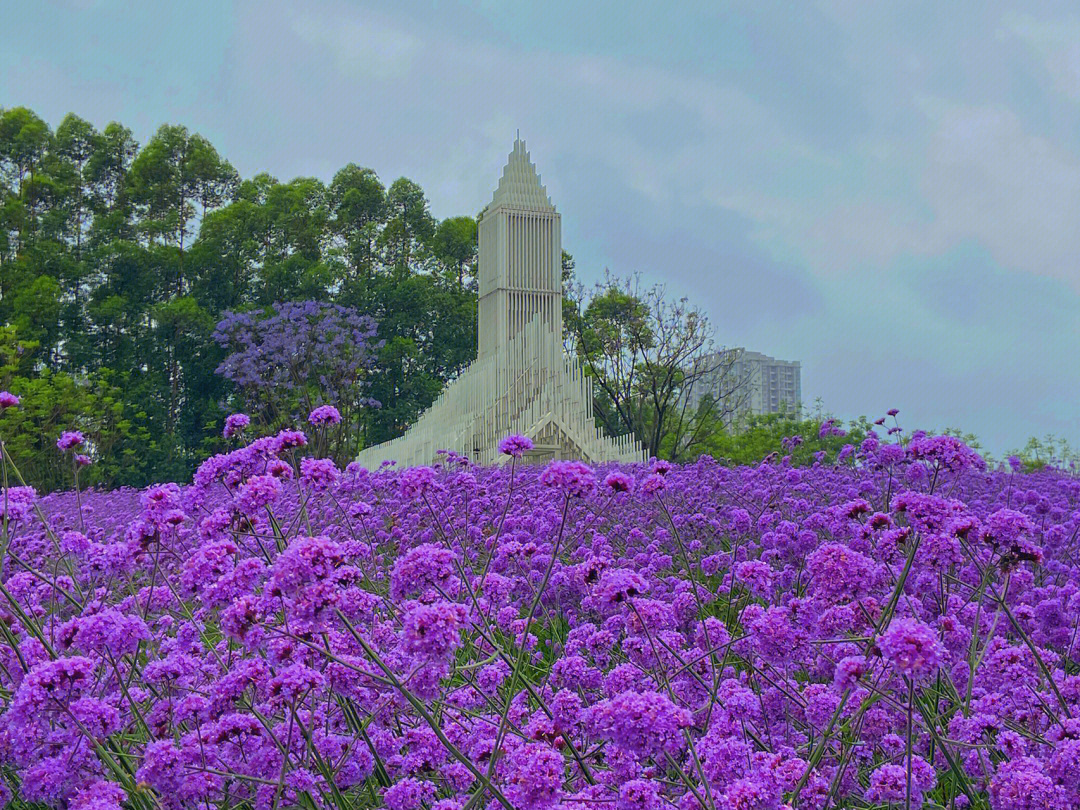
{"type": "Point", "coordinates": [70, 439]}
{"type": "Point", "coordinates": [515, 445]}
{"type": "Point", "coordinates": [571, 477]}
{"type": "Point", "coordinates": [325, 415]}
{"type": "Point", "coordinates": [235, 424]}
{"type": "Point", "coordinates": [535, 776]}
{"type": "Point", "coordinates": [642, 723]}
{"type": "Point", "coordinates": [912, 648]}
{"type": "Point", "coordinates": [417, 481]}
{"type": "Point", "coordinates": [619, 482]}
{"type": "Point", "coordinates": [434, 631]}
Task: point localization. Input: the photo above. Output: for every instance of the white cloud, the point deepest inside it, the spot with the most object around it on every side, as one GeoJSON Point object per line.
{"type": "Point", "coordinates": [367, 48]}
{"type": "Point", "coordinates": [564, 102]}
{"type": "Point", "coordinates": [981, 175]}
{"type": "Point", "coordinates": [988, 178]}
{"type": "Point", "coordinates": [1057, 43]}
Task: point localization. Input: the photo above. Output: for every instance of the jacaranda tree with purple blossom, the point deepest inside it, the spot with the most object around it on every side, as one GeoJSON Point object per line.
{"type": "Point", "coordinates": [288, 360]}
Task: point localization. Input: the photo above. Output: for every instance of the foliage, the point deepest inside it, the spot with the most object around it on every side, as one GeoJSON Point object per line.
{"type": "Point", "coordinates": [1050, 451]}
{"type": "Point", "coordinates": [55, 401]}
{"type": "Point", "coordinates": [98, 405]}
{"type": "Point", "coordinates": [894, 630]}
{"type": "Point", "coordinates": [117, 261]}
{"type": "Point", "coordinates": [754, 437]}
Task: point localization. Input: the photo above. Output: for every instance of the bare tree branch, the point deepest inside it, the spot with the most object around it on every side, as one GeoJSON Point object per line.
{"type": "Point", "coordinates": [646, 354]}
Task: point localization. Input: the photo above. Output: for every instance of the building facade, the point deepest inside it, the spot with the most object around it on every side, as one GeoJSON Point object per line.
{"type": "Point", "coordinates": [521, 381]}
{"type": "Point", "coordinates": [758, 383]}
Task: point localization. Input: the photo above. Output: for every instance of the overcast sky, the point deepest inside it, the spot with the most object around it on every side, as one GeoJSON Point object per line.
{"type": "Point", "coordinates": [888, 192]}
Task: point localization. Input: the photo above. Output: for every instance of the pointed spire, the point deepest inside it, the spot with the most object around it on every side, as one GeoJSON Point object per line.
{"type": "Point", "coordinates": [520, 185]}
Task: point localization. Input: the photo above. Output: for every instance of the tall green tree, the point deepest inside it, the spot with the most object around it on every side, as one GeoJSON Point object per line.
{"type": "Point", "coordinates": [25, 140]}
{"type": "Point", "coordinates": [429, 329]}
{"type": "Point", "coordinates": [108, 172]}
{"type": "Point", "coordinates": [358, 209]}
{"type": "Point", "coordinates": [455, 246]}
{"type": "Point", "coordinates": [173, 173]}
{"type": "Point", "coordinates": [409, 227]}
{"type": "Point", "coordinates": [293, 266]}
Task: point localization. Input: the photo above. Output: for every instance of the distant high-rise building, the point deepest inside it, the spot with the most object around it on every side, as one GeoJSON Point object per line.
{"type": "Point", "coordinates": [756, 382]}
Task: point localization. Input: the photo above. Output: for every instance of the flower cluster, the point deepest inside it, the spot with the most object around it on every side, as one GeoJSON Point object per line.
{"type": "Point", "coordinates": [69, 440]}
{"type": "Point", "coordinates": [235, 423]}
{"type": "Point", "coordinates": [515, 445]}
{"type": "Point", "coordinates": [897, 628]}
{"type": "Point", "coordinates": [325, 415]}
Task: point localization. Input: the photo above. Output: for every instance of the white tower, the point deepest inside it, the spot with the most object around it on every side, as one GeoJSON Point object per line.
{"type": "Point", "coordinates": [521, 381]}
{"type": "Point", "coordinates": [520, 256]}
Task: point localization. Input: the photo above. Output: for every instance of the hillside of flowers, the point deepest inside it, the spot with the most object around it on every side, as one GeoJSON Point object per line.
{"type": "Point", "coordinates": [895, 627]}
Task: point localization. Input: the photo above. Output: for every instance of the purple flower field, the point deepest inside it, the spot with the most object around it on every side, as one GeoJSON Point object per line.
{"type": "Point", "coordinates": [896, 629]}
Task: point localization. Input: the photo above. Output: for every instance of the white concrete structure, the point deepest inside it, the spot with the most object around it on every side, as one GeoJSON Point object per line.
{"type": "Point", "coordinates": [521, 380]}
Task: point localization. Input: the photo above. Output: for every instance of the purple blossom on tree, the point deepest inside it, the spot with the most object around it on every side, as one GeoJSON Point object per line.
{"type": "Point", "coordinates": [295, 358]}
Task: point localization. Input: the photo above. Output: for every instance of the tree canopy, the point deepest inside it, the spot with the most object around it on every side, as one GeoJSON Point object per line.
{"type": "Point", "coordinates": [119, 260]}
